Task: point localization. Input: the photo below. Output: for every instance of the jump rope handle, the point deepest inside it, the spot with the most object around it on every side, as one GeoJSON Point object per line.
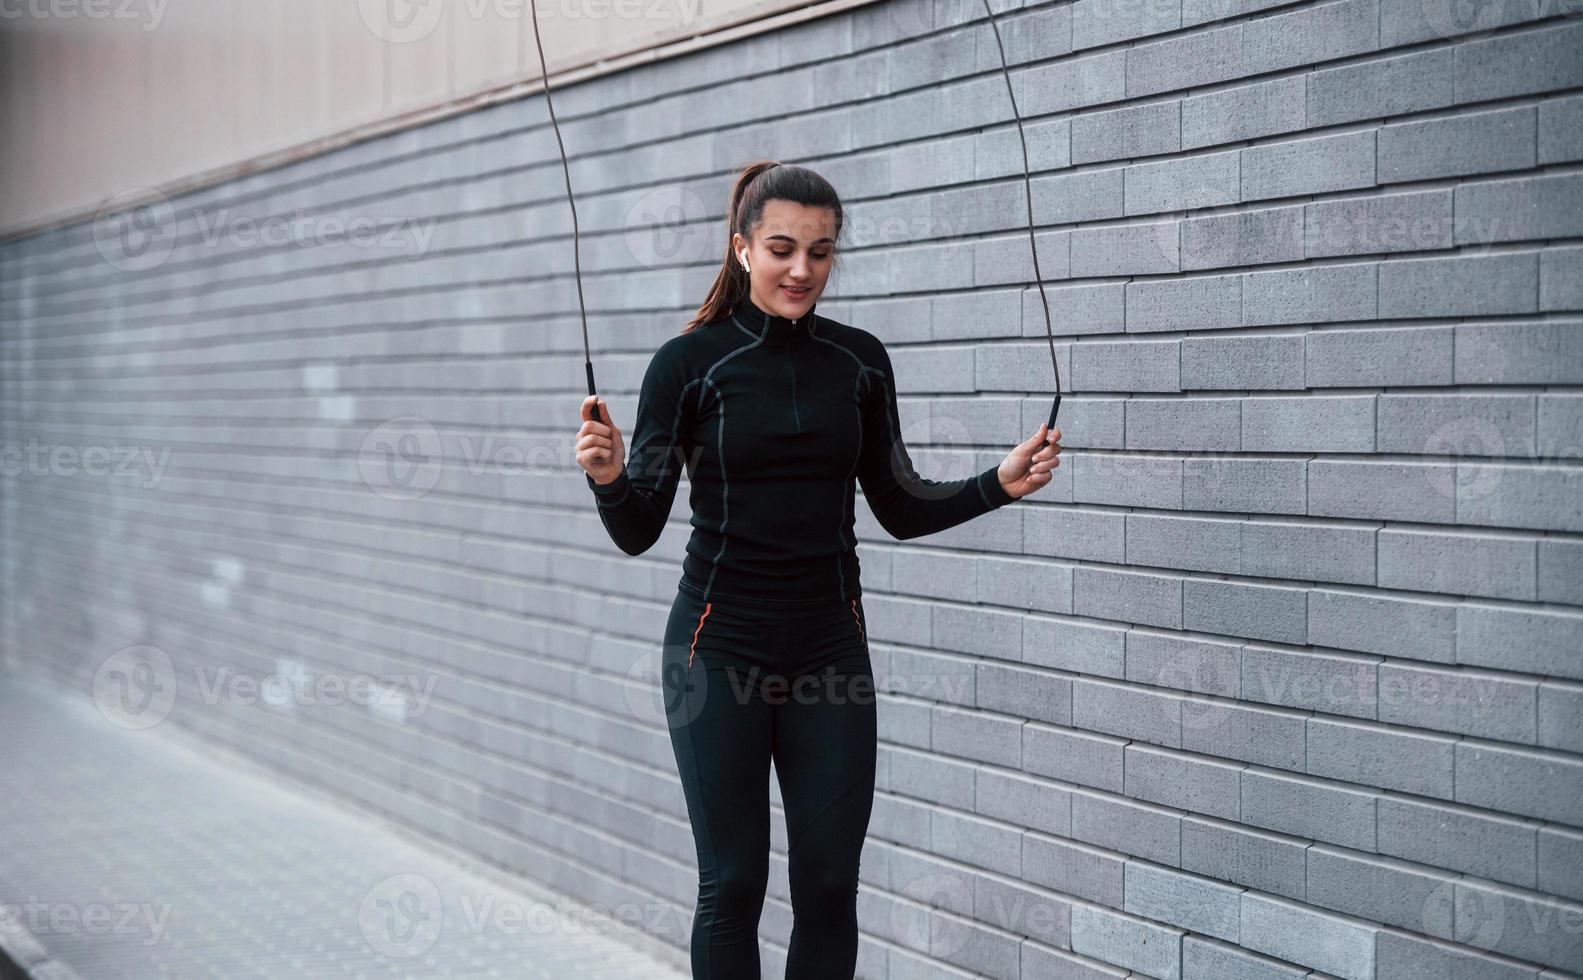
{"type": "Point", "coordinates": [1054, 409]}
{"type": "Point", "coordinates": [588, 366]}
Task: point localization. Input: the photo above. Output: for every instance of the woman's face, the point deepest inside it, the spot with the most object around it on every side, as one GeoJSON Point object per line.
{"type": "Point", "coordinates": [789, 257]}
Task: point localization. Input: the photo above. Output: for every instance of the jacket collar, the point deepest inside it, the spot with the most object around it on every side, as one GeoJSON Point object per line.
{"type": "Point", "coordinates": [769, 326]}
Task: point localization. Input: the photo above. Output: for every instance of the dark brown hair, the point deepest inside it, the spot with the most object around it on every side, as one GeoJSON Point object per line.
{"type": "Point", "coordinates": [764, 180]}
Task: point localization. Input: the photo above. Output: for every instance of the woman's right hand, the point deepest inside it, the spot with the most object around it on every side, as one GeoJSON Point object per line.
{"type": "Point", "coordinates": [600, 450]}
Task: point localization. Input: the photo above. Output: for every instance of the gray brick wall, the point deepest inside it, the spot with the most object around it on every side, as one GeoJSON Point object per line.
{"type": "Point", "coordinates": [1281, 677]}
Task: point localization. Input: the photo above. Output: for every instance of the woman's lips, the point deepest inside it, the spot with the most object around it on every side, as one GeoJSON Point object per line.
{"type": "Point", "coordinates": [794, 293]}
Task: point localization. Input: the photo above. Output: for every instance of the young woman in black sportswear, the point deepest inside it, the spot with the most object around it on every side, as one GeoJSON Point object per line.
{"type": "Point", "coordinates": [775, 413]}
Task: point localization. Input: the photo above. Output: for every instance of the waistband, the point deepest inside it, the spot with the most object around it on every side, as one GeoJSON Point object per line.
{"type": "Point", "coordinates": [747, 601]}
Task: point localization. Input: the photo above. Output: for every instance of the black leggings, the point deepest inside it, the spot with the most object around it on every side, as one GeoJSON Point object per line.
{"type": "Point", "coordinates": [744, 685]}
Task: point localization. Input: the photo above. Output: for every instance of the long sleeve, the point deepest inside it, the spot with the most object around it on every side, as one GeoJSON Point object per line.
{"type": "Point", "coordinates": [906, 504]}
{"type": "Point", "coordinates": [636, 504]}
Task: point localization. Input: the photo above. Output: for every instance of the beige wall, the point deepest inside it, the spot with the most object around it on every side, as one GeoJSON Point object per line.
{"type": "Point", "coordinates": [105, 96]}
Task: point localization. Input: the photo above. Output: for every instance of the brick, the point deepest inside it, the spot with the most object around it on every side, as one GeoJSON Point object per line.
{"type": "Point", "coordinates": [1129, 712]}
{"type": "Point", "coordinates": [1199, 665]}
{"type": "Point", "coordinates": [1260, 612]}
{"type": "Point", "coordinates": [1127, 366]}
{"type": "Point", "coordinates": [1236, 237]}
{"type": "Point", "coordinates": [1190, 782]}
{"type": "Point", "coordinates": [1242, 362]}
{"type": "Point", "coordinates": [1469, 702]}
{"type": "Point", "coordinates": [1182, 900]}
{"type": "Point", "coordinates": [1314, 294]}
{"type": "Point", "coordinates": [1519, 353]}
{"type": "Point", "coordinates": [1413, 222]}
{"type": "Point", "coordinates": [1078, 310]}
{"type": "Point", "coordinates": [1073, 869]}
{"type": "Point", "coordinates": [1561, 130]}
{"type": "Point", "coordinates": [1201, 181]}
{"type": "Point", "coordinates": [1310, 35]}
{"type": "Point", "coordinates": [1311, 165]}
{"type": "Point", "coordinates": [1166, 541]}
{"type": "Point", "coordinates": [1245, 112]}
{"type": "Point", "coordinates": [1128, 827]}
{"type": "Point", "coordinates": [1339, 684]}
{"type": "Point", "coordinates": [1259, 736]}
{"type": "Point", "coordinates": [1561, 279]}
{"type": "Point", "coordinates": [1255, 859]}
{"type": "Point", "coordinates": [1381, 491]}
{"type": "Point", "coordinates": [1526, 782]}
{"type": "Point", "coordinates": [1533, 641]}
{"type": "Point", "coordinates": [1286, 930]}
{"type": "Point", "coordinates": [1133, 131]}
{"type": "Point", "coordinates": [1089, 648]}
{"type": "Point", "coordinates": [1463, 286]}
{"type": "Point", "coordinates": [1184, 61]}
{"type": "Point", "coordinates": [1198, 303]}
{"type": "Point", "coordinates": [1097, 22]}
{"type": "Point", "coordinates": [1459, 425]}
{"type": "Point", "coordinates": [1184, 423]}
{"type": "Point", "coordinates": [1245, 484]}
{"type": "Point", "coordinates": [1135, 943]}
{"type": "Point", "coordinates": [1391, 356]}
{"type": "Point", "coordinates": [1026, 693]}
{"type": "Point", "coordinates": [1133, 249]}
{"type": "Point", "coordinates": [1087, 196]}
{"type": "Point", "coordinates": [1021, 799]}
{"type": "Point", "coordinates": [1418, 629]}
{"type": "Point", "coordinates": [1455, 146]}
{"type": "Point", "coordinates": [1314, 552]}
{"type": "Point", "coordinates": [1129, 597]}
{"type": "Point", "coordinates": [1494, 565]}
{"type": "Point", "coordinates": [1458, 840]}
{"type": "Point", "coordinates": [1309, 424]}
{"type": "Point", "coordinates": [1378, 755]}
{"type": "Point", "coordinates": [1520, 209]}
{"type": "Point", "coordinates": [1313, 808]}
{"type": "Point", "coordinates": [1520, 63]}
{"type": "Point", "coordinates": [1080, 758]}
{"type": "Point", "coordinates": [1561, 571]}
{"type": "Point", "coordinates": [1388, 86]}
{"type": "Point", "coordinates": [1379, 889]}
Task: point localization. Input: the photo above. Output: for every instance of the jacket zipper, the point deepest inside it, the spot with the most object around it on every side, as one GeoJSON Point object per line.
{"type": "Point", "coordinates": [796, 415]}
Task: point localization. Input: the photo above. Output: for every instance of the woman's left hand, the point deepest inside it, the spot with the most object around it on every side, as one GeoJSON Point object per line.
{"type": "Point", "coordinates": [1028, 466]}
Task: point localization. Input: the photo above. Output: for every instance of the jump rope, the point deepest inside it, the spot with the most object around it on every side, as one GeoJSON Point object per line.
{"type": "Point", "coordinates": [588, 364]}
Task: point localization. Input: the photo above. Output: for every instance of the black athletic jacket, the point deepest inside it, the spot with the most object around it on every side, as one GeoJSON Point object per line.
{"type": "Point", "coordinates": [772, 419]}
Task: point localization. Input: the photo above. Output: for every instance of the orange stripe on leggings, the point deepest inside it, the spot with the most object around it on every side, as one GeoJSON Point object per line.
{"type": "Point", "coordinates": [703, 616]}
{"type": "Point", "coordinates": [859, 621]}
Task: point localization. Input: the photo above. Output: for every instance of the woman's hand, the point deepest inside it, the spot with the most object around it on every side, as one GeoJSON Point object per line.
{"type": "Point", "coordinates": [599, 447]}
{"type": "Point", "coordinates": [1028, 466]}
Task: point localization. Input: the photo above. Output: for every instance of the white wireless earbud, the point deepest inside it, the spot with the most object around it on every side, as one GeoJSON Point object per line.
{"type": "Point", "coordinates": [744, 257]}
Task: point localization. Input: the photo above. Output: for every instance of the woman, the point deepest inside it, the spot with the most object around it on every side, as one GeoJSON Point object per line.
{"type": "Point", "coordinates": [774, 411]}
